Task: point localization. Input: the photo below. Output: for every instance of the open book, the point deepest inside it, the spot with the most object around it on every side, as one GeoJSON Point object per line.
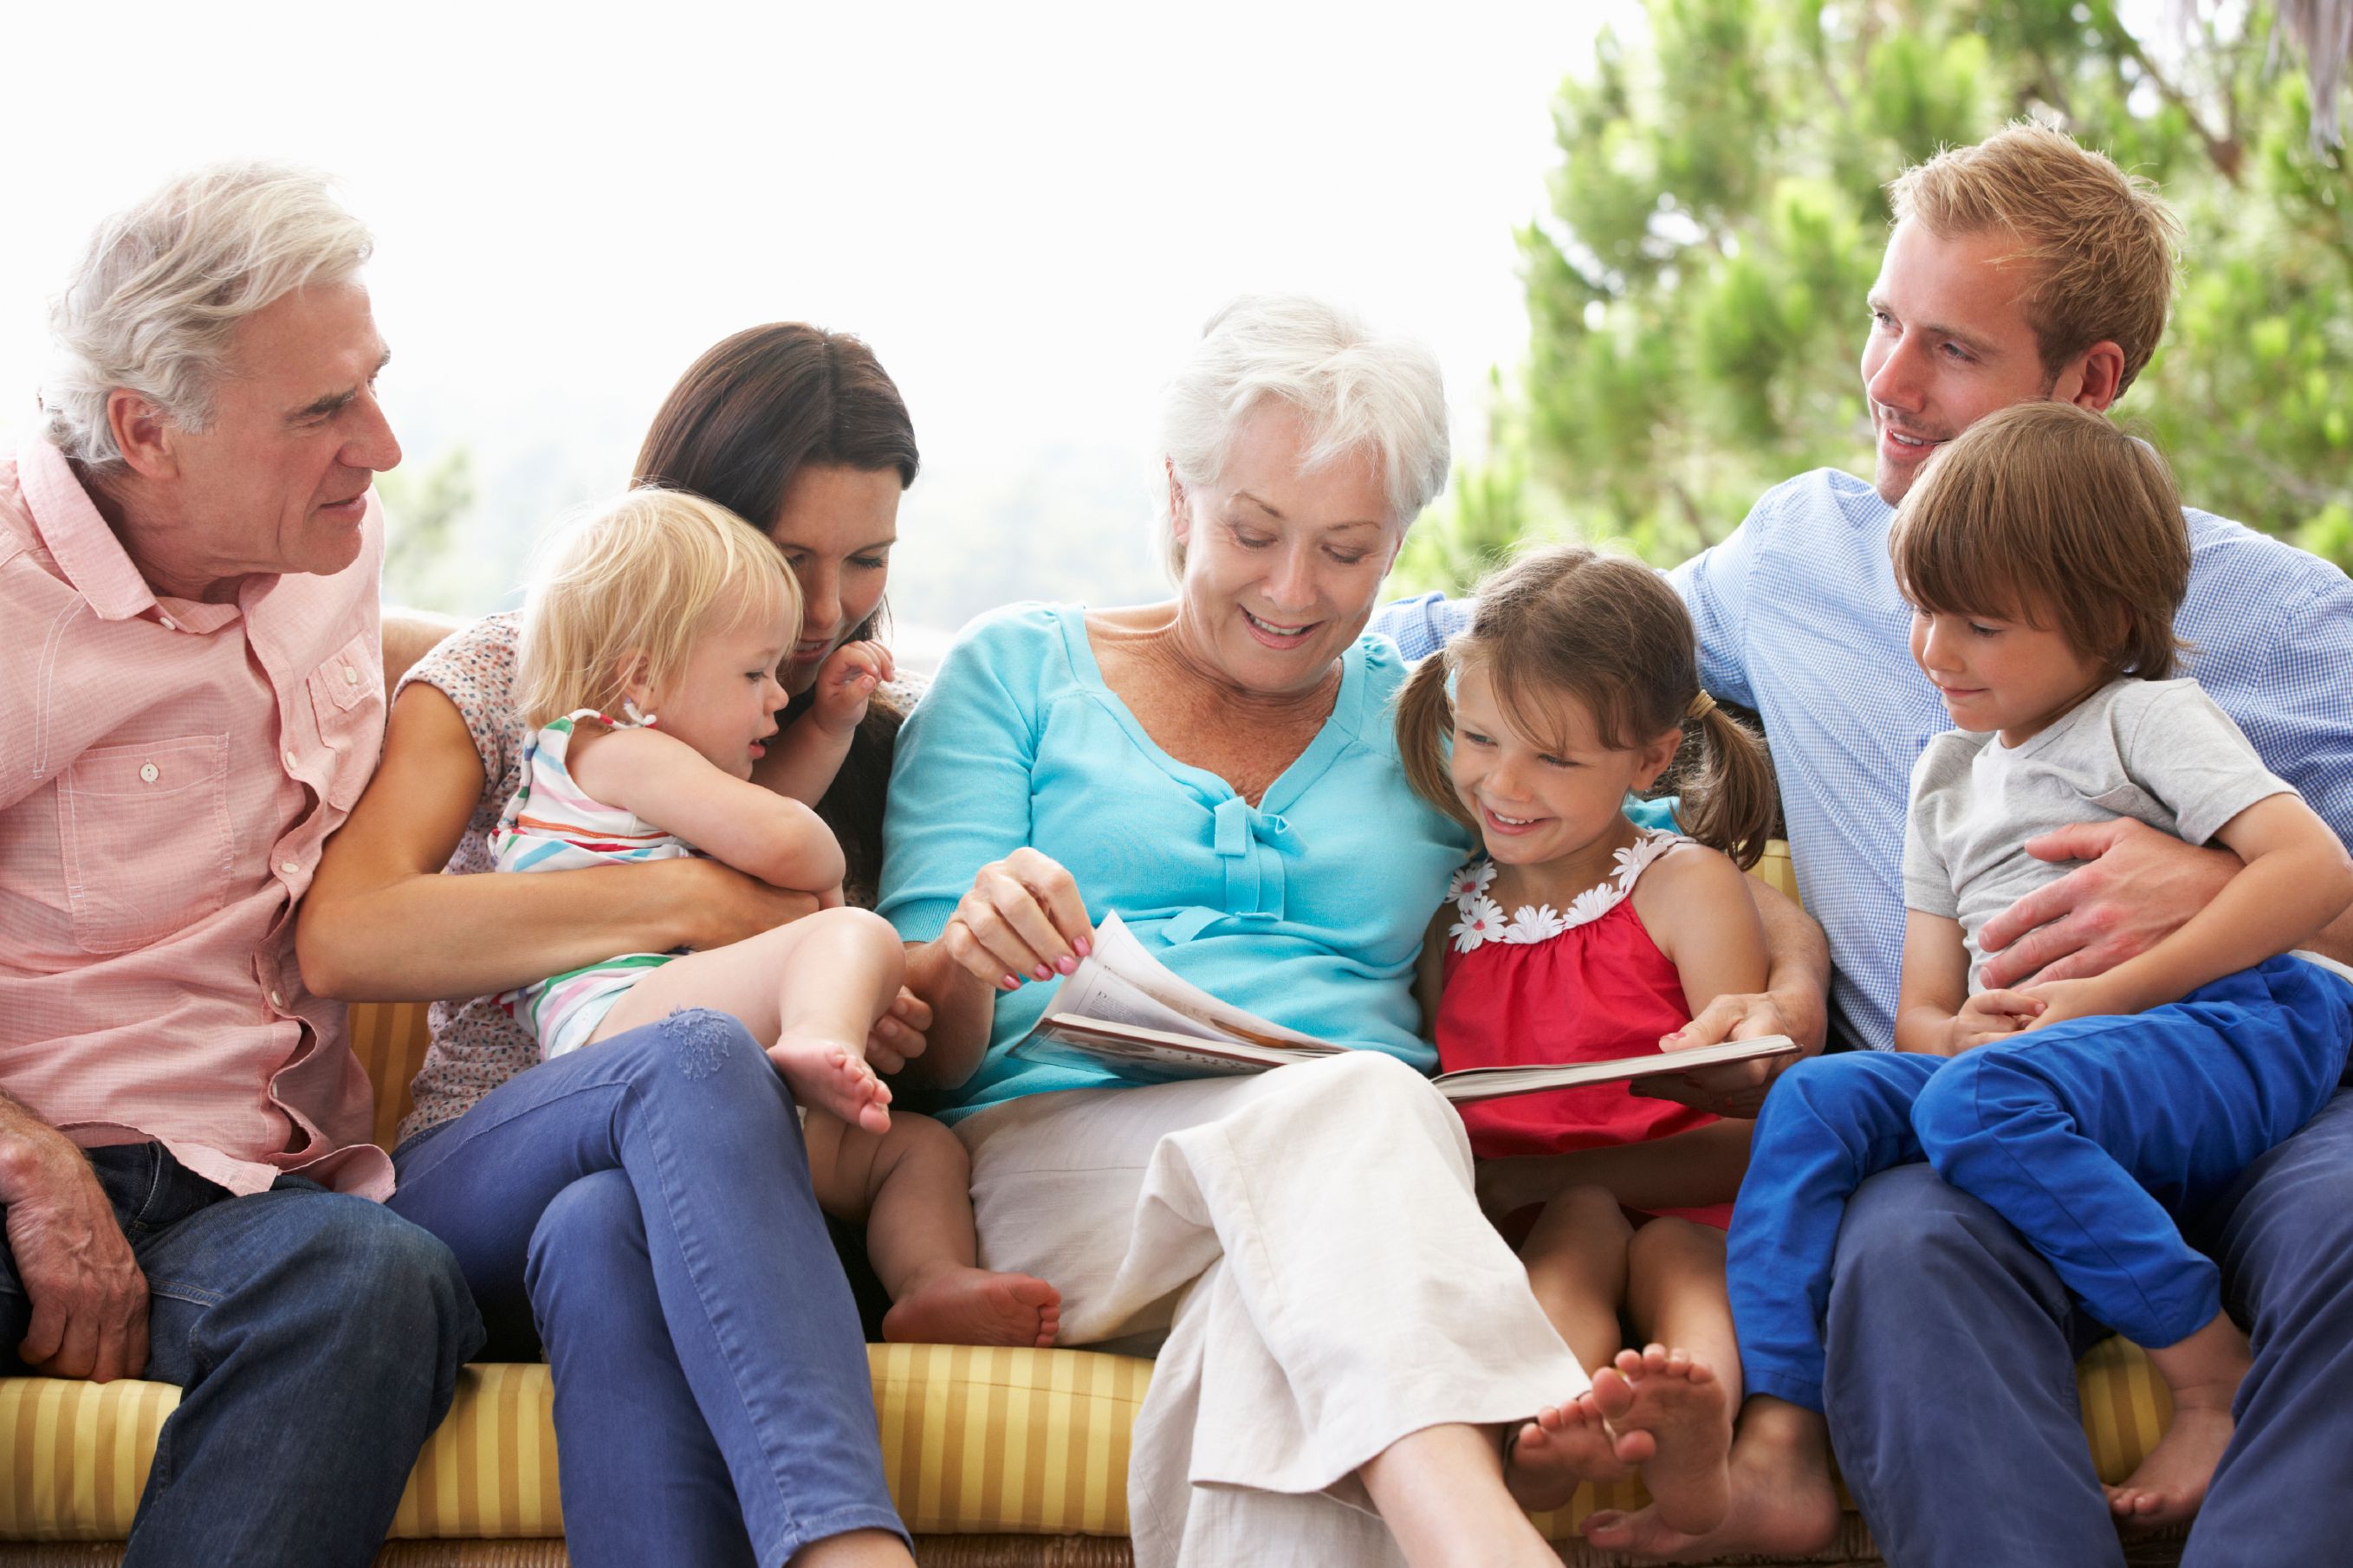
{"type": "Point", "coordinates": [1123, 1011]}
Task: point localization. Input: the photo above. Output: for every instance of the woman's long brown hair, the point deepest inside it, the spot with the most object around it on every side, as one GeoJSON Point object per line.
{"type": "Point", "coordinates": [746, 417]}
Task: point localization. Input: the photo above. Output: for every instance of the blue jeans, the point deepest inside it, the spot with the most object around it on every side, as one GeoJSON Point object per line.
{"type": "Point", "coordinates": [317, 1338]}
{"type": "Point", "coordinates": [1951, 1387]}
{"type": "Point", "coordinates": [644, 1205]}
{"type": "Point", "coordinates": [2090, 1138]}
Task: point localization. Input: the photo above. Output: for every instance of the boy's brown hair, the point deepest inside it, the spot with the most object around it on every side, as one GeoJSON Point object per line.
{"type": "Point", "coordinates": [1607, 631]}
{"type": "Point", "coordinates": [2103, 241]}
{"type": "Point", "coordinates": [2047, 513]}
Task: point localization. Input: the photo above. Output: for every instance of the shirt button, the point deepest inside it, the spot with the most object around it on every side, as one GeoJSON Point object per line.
{"type": "Point", "coordinates": [288, 867]}
{"type": "Point", "coordinates": [350, 676]}
{"type": "Point", "coordinates": [288, 757]}
{"type": "Point", "coordinates": [276, 1000]}
{"type": "Point", "coordinates": [150, 772]}
{"type": "Point", "coordinates": [168, 624]}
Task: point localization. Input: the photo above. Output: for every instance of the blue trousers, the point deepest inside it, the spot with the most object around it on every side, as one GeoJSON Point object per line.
{"type": "Point", "coordinates": [316, 1337]}
{"type": "Point", "coordinates": [642, 1208]}
{"type": "Point", "coordinates": [2088, 1137]}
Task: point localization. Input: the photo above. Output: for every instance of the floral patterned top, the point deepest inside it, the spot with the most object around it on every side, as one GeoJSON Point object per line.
{"type": "Point", "coordinates": [1483, 920]}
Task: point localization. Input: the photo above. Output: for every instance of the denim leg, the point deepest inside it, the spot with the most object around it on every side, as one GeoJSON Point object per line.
{"type": "Point", "coordinates": [2285, 1237]}
{"type": "Point", "coordinates": [1951, 1387]}
{"type": "Point", "coordinates": [317, 1338]}
{"type": "Point", "coordinates": [2090, 1136]}
{"type": "Point", "coordinates": [590, 1270]}
{"type": "Point", "coordinates": [1829, 1124]}
{"type": "Point", "coordinates": [753, 1309]}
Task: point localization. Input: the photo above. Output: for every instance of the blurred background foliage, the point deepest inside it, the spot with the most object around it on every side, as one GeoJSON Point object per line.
{"type": "Point", "coordinates": [1695, 288]}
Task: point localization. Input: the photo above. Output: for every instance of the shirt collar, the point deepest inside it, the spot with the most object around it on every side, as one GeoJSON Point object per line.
{"type": "Point", "coordinates": [87, 551]}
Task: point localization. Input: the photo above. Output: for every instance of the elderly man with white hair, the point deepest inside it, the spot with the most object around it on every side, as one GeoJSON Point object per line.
{"type": "Point", "coordinates": [191, 689]}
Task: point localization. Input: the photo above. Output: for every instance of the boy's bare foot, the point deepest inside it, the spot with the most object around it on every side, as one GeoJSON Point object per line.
{"type": "Point", "coordinates": [964, 1306]}
{"type": "Point", "coordinates": [826, 1075]}
{"type": "Point", "coordinates": [2168, 1484]}
{"type": "Point", "coordinates": [1779, 1503]}
{"type": "Point", "coordinates": [1679, 1402]}
{"type": "Point", "coordinates": [1571, 1442]}
{"type": "Point", "coordinates": [2204, 1372]}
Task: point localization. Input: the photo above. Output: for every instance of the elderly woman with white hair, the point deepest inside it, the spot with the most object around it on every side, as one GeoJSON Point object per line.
{"type": "Point", "coordinates": [1347, 1339]}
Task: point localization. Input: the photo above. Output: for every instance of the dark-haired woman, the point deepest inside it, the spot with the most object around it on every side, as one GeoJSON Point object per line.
{"type": "Point", "coordinates": [643, 1210]}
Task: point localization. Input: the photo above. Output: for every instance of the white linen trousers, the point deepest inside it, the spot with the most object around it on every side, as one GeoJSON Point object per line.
{"type": "Point", "coordinates": [1308, 1242]}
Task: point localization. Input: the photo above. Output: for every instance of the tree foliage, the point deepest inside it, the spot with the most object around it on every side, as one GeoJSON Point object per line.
{"type": "Point", "coordinates": [1696, 294]}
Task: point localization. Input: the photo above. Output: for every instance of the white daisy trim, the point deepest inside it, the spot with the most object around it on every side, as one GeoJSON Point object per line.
{"type": "Point", "coordinates": [1483, 920]}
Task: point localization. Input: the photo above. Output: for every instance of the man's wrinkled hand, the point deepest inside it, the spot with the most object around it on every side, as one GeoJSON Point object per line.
{"type": "Point", "coordinates": [2134, 888]}
{"type": "Point", "coordinates": [88, 1297]}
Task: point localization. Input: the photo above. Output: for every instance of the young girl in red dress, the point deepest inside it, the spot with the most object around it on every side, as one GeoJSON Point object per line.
{"type": "Point", "coordinates": [1578, 936]}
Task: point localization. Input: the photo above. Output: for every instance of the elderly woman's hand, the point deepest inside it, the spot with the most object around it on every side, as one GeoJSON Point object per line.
{"type": "Point", "coordinates": [1022, 921]}
{"type": "Point", "coordinates": [898, 1038]}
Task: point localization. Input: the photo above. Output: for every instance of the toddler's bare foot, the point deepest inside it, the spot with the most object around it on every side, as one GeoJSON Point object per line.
{"type": "Point", "coordinates": [1779, 1501]}
{"type": "Point", "coordinates": [1679, 1402]}
{"type": "Point", "coordinates": [1571, 1442]}
{"type": "Point", "coordinates": [2170, 1483]}
{"type": "Point", "coordinates": [964, 1306]}
{"type": "Point", "coordinates": [828, 1075]}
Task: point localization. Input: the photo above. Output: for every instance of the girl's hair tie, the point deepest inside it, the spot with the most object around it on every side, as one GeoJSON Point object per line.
{"type": "Point", "coordinates": [1700, 706]}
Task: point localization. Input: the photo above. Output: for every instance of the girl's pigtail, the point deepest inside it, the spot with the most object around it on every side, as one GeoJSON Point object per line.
{"type": "Point", "coordinates": [1424, 719]}
{"type": "Point", "coordinates": [1730, 801]}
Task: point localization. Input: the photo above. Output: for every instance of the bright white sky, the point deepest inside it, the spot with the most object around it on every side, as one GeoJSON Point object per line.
{"type": "Point", "coordinates": [1027, 209]}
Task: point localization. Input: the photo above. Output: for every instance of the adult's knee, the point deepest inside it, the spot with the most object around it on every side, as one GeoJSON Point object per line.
{"type": "Point", "coordinates": [592, 1227]}
{"type": "Point", "coordinates": [354, 1276]}
{"type": "Point", "coordinates": [698, 1055]}
{"type": "Point", "coordinates": [1909, 1236]}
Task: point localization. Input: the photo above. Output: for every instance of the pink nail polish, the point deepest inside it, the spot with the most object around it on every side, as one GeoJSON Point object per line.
{"type": "Point", "coordinates": [1011, 982]}
{"type": "Point", "coordinates": [1086, 948]}
{"type": "Point", "coordinates": [1067, 965]}
{"type": "Point", "coordinates": [1042, 972]}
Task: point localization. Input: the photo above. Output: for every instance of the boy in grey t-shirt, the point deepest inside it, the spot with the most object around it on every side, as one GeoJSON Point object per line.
{"type": "Point", "coordinates": [2044, 555]}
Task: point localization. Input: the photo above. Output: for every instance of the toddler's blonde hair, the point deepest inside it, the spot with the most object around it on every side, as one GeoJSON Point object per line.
{"type": "Point", "coordinates": [641, 577]}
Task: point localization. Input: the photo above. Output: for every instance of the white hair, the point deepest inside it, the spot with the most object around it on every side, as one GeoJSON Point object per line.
{"type": "Point", "coordinates": [1358, 391]}
{"type": "Point", "coordinates": [163, 284]}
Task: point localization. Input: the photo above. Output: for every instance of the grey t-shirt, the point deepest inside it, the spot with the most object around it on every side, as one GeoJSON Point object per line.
{"type": "Point", "coordinates": [2159, 752]}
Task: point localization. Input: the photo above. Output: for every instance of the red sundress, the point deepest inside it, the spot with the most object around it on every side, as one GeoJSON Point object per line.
{"type": "Point", "coordinates": [1539, 986]}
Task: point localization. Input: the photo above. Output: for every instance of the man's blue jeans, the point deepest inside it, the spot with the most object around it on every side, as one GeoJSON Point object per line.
{"type": "Point", "coordinates": [644, 1204]}
{"type": "Point", "coordinates": [1951, 1385]}
{"type": "Point", "coordinates": [318, 1338]}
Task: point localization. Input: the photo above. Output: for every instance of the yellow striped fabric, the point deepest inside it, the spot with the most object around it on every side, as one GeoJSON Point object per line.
{"type": "Point", "coordinates": [980, 1440]}
{"type": "Point", "coordinates": [975, 1441]}
{"type": "Point", "coordinates": [2126, 1407]}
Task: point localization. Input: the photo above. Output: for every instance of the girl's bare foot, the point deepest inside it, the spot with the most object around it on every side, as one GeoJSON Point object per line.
{"type": "Point", "coordinates": [828, 1075]}
{"type": "Point", "coordinates": [1572, 1443]}
{"type": "Point", "coordinates": [1679, 1402]}
{"type": "Point", "coordinates": [964, 1305]}
{"type": "Point", "coordinates": [1779, 1502]}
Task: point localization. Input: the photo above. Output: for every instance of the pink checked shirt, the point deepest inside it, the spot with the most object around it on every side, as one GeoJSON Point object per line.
{"type": "Point", "coordinates": [168, 771]}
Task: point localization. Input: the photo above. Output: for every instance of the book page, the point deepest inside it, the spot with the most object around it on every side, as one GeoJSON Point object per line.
{"type": "Point", "coordinates": [1472, 1084]}
{"type": "Point", "coordinates": [1119, 951]}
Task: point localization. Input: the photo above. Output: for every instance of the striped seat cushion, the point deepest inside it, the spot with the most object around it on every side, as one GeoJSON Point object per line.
{"type": "Point", "coordinates": [975, 1442]}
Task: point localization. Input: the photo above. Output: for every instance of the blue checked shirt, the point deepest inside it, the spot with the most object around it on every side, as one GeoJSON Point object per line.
{"type": "Point", "coordinates": [1799, 619]}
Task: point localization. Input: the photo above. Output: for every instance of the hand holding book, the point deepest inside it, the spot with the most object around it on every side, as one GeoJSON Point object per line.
{"type": "Point", "coordinates": [1124, 1012]}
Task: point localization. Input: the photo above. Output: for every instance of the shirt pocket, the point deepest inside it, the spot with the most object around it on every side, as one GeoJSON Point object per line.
{"type": "Point", "coordinates": [146, 830]}
{"type": "Point", "coordinates": [347, 702]}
